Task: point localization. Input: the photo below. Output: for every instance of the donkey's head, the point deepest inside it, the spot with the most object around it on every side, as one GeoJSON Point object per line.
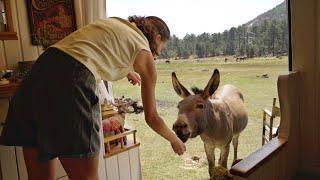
{"type": "Point", "coordinates": [194, 110]}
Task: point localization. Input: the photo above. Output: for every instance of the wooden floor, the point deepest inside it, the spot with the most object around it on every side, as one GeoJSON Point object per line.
{"type": "Point", "coordinates": [307, 177]}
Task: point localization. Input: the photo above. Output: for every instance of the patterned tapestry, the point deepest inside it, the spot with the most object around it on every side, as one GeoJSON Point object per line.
{"type": "Point", "coordinates": [50, 20]}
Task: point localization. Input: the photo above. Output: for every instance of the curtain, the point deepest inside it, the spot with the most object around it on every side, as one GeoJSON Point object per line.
{"type": "Point", "coordinates": [89, 10]}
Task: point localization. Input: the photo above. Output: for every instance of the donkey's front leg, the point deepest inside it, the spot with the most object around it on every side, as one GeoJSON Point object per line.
{"type": "Point", "coordinates": [224, 156]}
{"type": "Point", "coordinates": [211, 157]}
{"type": "Point", "coordinates": [235, 141]}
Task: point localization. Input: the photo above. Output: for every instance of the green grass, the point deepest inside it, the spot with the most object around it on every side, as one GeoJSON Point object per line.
{"type": "Point", "coordinates": [157, 158]}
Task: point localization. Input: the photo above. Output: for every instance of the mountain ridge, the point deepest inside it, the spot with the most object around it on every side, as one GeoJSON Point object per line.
{"type": "Point", "coordinates": [277, 13]}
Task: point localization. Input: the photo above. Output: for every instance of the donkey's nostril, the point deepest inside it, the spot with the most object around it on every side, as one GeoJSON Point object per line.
{"type": "Point", "coordinates": [179, 126]}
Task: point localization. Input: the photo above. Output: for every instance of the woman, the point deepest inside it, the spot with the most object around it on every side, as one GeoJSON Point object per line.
{"type": "Point", "coordinates": [55, 111]}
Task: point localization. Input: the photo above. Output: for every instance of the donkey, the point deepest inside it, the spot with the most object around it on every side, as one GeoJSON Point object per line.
{"type": "Point", "coordinates": [217, 115]}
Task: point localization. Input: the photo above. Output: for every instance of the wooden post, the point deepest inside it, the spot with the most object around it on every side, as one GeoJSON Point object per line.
{"type": "Point", "coordinates": [121, 142]}
{"type": "Point", "coordinates": [108, 147]}
{"type": "Point", "coordinates": [134, 137]}
{"type": "Point", "coordinates": [263, 127]}
{"type": "Point", "coordinates": [271, 118]}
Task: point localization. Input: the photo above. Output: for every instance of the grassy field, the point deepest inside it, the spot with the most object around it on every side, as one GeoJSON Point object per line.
{"type": "Point", "coordinates": [157, 158]}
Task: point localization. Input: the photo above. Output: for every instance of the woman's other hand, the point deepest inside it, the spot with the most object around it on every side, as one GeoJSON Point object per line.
{"type": "Point", "coordinates": [178, 146]}
{"type": "Point", "coordinates": [134, 78]}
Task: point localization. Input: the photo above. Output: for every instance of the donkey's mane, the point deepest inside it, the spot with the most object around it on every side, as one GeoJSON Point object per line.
{"type": "Point", "coordinates": [196, 90]}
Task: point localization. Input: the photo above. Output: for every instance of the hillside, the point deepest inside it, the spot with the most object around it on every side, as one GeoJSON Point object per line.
{"type": "Point", "coordinates": [278, 13]}
{"type": "Point", "coordinates": [265, 35]}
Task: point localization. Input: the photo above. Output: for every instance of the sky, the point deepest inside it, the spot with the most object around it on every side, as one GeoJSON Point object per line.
{"type": "Point", "coordinates": [193, 16]}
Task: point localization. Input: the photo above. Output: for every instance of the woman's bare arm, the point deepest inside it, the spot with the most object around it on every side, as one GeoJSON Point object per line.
{"type": "Point", "coordinates": [145, 66]}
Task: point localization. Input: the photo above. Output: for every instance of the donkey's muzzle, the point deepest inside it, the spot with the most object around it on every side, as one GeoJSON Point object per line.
{"type": "Point", "coordinates": [181, 130]}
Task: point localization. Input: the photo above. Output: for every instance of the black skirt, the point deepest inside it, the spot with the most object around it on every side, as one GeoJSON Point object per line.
{"type": "Point", "coordinates": [55, 109]}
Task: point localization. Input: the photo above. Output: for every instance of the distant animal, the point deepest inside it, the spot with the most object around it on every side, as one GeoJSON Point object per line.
{"type": "Point", "coordinates": [265, 76]}
{"type": "Point", "coordinates": [241, 58]}
{"type": "Point", "coordinates": [168, 61]}
{"type": "Point", "coordinates": [217, 115]}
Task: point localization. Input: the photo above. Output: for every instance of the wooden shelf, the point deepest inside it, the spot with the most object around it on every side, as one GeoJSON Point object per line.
{"type": "Point", "coordinates": [7, 90]}
{"type": "Point", "coordinates": [8, 36]}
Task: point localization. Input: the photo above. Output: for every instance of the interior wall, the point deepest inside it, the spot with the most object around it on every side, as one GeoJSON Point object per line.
{"type": "Point", "coordinates": [12, 51]}
{"type": "Point", "coordinates": [305, 42]}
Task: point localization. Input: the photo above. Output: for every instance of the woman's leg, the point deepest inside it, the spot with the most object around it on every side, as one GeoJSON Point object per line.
{"type": "Point", "coordinates": [81, 168]}
{"type": "Point", "coordinates": [38, 170]}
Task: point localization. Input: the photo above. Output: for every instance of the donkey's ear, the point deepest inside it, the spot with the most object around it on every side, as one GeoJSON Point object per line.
{"type": "Point", "coordinates": [178, 87]}
{"type": "Point", "coordinates": [212, 84]}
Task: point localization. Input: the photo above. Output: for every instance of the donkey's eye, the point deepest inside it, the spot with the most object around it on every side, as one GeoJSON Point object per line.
{"type": "Point", "coordinates": [200, 106]}
{"type": "Point", "coordinates": [178, 106]}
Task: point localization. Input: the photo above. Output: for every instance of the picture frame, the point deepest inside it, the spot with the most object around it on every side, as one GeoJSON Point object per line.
{"type": "Point", "coordinates": [50, 20]}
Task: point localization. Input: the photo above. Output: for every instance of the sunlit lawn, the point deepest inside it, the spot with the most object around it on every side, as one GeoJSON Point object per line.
{"type": "Point", "coordinates": [157, 158]}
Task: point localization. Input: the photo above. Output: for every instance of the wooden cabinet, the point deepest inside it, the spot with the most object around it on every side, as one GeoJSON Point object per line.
{"type": "Point", "coordinates": [124, 166]}
{"type": "Point", "coordinates": [8, 164]}
{"type": "Point", "coordinates": [122, 161]}
{"type": "Point", "coordinates": [8, 158]}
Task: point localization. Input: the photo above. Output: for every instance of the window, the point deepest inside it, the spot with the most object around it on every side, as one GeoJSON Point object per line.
{"type": "Point", "coordinates": [250, 54]}
{"type": "Point", "coordinates": [6, 25]}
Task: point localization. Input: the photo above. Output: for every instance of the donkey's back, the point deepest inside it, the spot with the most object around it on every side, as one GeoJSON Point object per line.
{"type": "Point", "coordinates": [232, 96]}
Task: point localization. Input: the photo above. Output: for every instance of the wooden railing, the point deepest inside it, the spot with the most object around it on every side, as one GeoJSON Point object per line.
{"type": "Point", "coordinates": [248, 165]}
{"type": "Point", "coordinates": [123, 143]}
{"type": "Point", "coordinates": [279, 158]}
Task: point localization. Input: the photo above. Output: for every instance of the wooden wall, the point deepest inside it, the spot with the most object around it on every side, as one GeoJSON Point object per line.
{"type": "Point", "coordinates": [317, 89]}
{"type": "Point", "coordinates": [300, 100]}
{"type": "Point", "coordinates": [316, 160]}
{"type": "Point", "coordinates": [305, 41]}
{"type": "Point", "coordinates": [12, 51]}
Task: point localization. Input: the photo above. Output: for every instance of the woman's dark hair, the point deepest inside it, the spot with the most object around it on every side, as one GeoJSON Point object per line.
{"type": "Point", "coordinates": [150, 27]}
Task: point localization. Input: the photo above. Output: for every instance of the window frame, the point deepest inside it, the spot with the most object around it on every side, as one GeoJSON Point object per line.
{"type": "Point", "coordinates": [10, 34]}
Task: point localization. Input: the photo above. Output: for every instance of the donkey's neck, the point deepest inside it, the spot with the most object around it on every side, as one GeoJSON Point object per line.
{"type": "Point", "coordinates": [212, 124]}
{"type": "Point", "coordinates": [216, 118]}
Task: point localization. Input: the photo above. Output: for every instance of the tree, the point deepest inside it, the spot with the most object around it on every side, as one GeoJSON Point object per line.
{"type": "Point", "coordinates": [269, 37]}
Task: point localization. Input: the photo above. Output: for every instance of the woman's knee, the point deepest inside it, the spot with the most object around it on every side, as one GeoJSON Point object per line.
{"type": "Point", "coordinates": [35, 168]}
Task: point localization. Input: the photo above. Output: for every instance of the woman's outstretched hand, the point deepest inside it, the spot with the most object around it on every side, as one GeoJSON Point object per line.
{"type": "Point", "coordinates": [178, 146]}
{"type": "Point", "coordinates": [134, 78]}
